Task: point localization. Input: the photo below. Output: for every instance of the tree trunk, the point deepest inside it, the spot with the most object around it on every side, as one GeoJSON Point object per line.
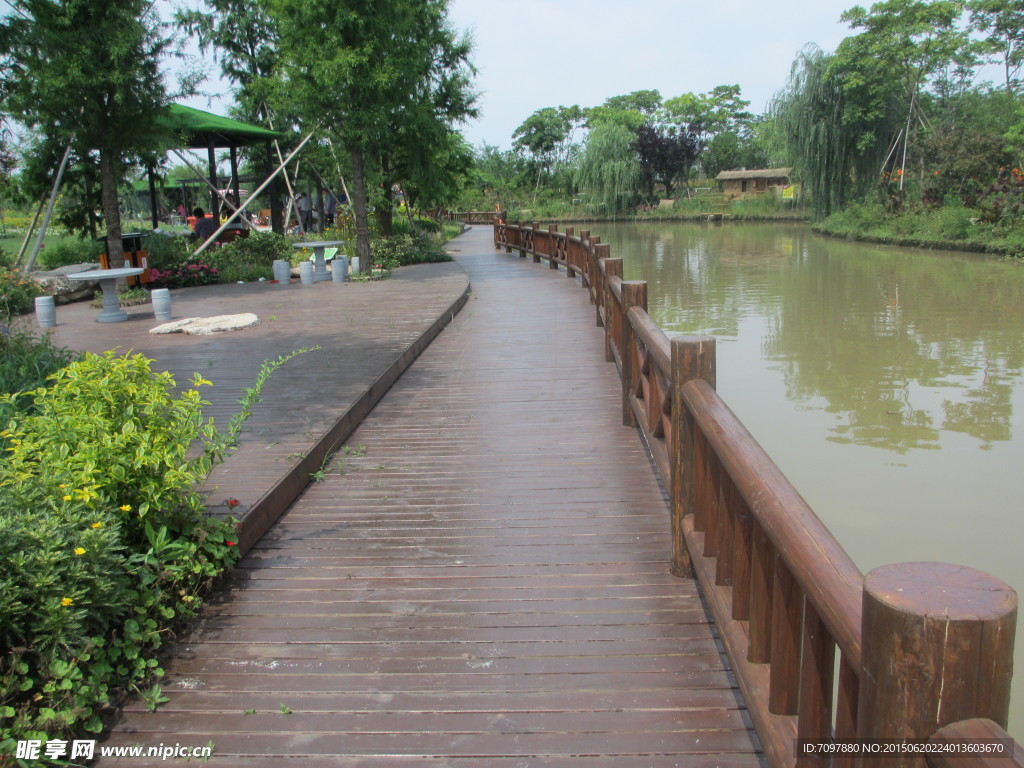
{"type": "Point", "coordinates": [359, 206]}
{"type": "Point", "coordinates": [111, 211]}
{"type": "Point", "coordinates": [386, 215]}
{"type": "Point", "coordinates": [408, 211]}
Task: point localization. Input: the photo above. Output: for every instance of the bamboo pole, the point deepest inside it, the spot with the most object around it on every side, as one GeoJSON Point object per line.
{"type": "Point", "coordinates": [291, 207]}
{"type": "Point", "coordinates": [49, 211]}
{"type": "Point", "coordinates": [252, 197]}
{"type": "Point", "coordinates": [30, 230]}
{"type": "Point", "coordinates": [211, 186]}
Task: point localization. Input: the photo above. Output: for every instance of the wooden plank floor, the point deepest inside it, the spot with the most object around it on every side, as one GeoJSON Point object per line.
{"type": "Point", "coordinates": [481, 581]}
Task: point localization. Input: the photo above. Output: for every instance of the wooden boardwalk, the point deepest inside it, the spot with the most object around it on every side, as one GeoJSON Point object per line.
{"type": "Point", "coordinates": [481, 580]}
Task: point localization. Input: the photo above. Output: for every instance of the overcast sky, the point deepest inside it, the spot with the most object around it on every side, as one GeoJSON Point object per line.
{"type": "Point", "coordinates": [545, 53]}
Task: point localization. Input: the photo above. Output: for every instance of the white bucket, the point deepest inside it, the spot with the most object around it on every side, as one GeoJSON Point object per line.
{"type": "Point", "coordinates": [46, 312]}
{"type": "Point", "coordinates": [339, 269]}
{"type": "Point", "coordinates": [161, 298]}
{"type": "Point", "coordinates": [282, 271]}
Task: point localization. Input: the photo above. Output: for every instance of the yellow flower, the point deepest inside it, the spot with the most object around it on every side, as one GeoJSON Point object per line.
{"type": "Point", "coordinates": [67, 498]}
{"type": "Point", "coordinates": [63, 485]}
{"type": "Point", "coordinates": [79, 550]}
{"type": "Point", "coordinates": [126, 507]}
{"type": "Point", "coordinates": [66, 601]}
{"type": "Point", "coordinates": [96, 525]}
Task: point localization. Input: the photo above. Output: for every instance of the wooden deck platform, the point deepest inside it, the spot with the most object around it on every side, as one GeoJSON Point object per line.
{"type": "Point", "coordinates": [481, 580]}
{"type": "Point", "coordinates": [368, 333]}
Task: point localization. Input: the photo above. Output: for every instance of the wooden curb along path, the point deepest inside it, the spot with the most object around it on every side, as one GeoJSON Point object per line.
{"type": "Point", "coordinates": [484, 582]}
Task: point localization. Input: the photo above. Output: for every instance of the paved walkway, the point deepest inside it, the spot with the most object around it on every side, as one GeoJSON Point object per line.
{"type": "Point", "coordinates": [481, 580]}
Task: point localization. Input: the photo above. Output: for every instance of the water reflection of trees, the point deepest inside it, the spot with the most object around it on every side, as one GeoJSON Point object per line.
{"type": "Point", "coordinates": [901, 344]}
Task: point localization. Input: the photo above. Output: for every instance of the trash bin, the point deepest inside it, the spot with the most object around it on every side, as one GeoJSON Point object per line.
{"type": "Point", "coordinates": [134, 256]}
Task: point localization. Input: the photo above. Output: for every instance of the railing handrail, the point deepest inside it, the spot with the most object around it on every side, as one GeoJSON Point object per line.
{"type": "Point", "coordinates": [470, 217]}
{"type": "Point", "coordinates": [783, 591]}
{"type": "Point", "coordinates": [825, 572]}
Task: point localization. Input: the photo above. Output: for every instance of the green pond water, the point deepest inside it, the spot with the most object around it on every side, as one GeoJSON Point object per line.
{"type": "Point", "coordinates": [885, 382]}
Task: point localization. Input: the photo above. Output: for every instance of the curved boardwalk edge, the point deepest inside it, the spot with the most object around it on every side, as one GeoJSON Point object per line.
{"type": "Point", "coordinates": [272, 504]}
{"type": "Point", "coordinates": [368, 334]}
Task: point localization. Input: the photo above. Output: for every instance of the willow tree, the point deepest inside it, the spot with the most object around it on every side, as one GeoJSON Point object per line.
{"type": "Point", "coordinates": [86, 74]}
{"type": "Point", "coordinates": [609, 169]}
{"type": "Point", "coordinates": [835, 132]}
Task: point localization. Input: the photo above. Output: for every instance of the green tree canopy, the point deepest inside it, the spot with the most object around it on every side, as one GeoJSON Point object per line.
{"type": "Point", "coordinates": [547, 136]}
{"type": "Point", "coordinates": [644, 102]}
{"type": "Point", "coordinates": [86, 74]}
{"type": "Point", "coordinates": [1002, 23]}
{"type": "Point", "coordinates": [355, 68]}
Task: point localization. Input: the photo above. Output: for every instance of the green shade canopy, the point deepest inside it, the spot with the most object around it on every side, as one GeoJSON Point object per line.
{"type": "Point", "coordinates": [199, 129]}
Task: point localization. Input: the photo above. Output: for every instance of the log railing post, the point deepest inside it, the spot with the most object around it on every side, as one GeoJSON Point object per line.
{"type": "Point", "coordinates": [552, 248]}
{"type": "Point", "coordinates": [593, 257]}
{"type": "Point", "coordinates": [634, 294]}
{"type": "Point", "coordinates": [534, 227]}
{"type": "Point", "coordinates": [693, 357]}
{"type": "Point", "coordinates": [569, 251]}
{"type": "Point", "coordinates": [937, 648]}
{"type": "Point", "coordinates": [612, 269]}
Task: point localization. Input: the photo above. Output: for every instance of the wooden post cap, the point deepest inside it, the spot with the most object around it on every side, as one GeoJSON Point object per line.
{"type": "Point", "coordinates": [956, 591]}
{"type": "Point", "coordinates": [937, 648]}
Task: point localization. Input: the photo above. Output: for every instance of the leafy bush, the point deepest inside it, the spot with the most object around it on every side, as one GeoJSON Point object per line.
{"type": "Point", "coordinates": [250, 257]}
{"type": "Point", "coordinates": [244, 273]}
{"type": "Point", "coordinates": [25, 363]}
{"type": "Point", "coordinates": [17, 293]}
{"type": "Point", "coordinates": [857, 219]}
{"type": "Point", "coordinates": [401, 250]}
{"type": "Point", "coordinates": [104, 537]}
{"type": "Point", "coordinates": [69, 250]}
{"type": "Point", "coordinates": [167, 252]}
{"type": "Point", "coordinates": [1003, 201]}
{"type": "Point", "coordinates": [104, 541]}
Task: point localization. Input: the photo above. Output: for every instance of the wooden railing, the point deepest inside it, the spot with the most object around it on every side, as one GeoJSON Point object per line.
{"type": "Point", "coordinates": [470, 217]}
{"type": "Point", "coordinates": [821, 651]}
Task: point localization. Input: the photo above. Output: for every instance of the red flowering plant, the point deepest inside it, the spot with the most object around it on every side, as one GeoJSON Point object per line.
{"type": "Point", "coordinates": [184, 276]}
{"type": "Point", "coordinates": [1003, 201]}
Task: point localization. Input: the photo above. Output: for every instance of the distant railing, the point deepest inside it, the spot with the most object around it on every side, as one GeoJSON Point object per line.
{"type": "Point", "coordinates": [470, 217]}
{"type": "Point", "coordinates": [823, 653]}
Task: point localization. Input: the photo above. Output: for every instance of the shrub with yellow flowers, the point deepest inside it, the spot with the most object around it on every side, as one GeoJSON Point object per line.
{"type": "Point", "coordinates": [105, 541]}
